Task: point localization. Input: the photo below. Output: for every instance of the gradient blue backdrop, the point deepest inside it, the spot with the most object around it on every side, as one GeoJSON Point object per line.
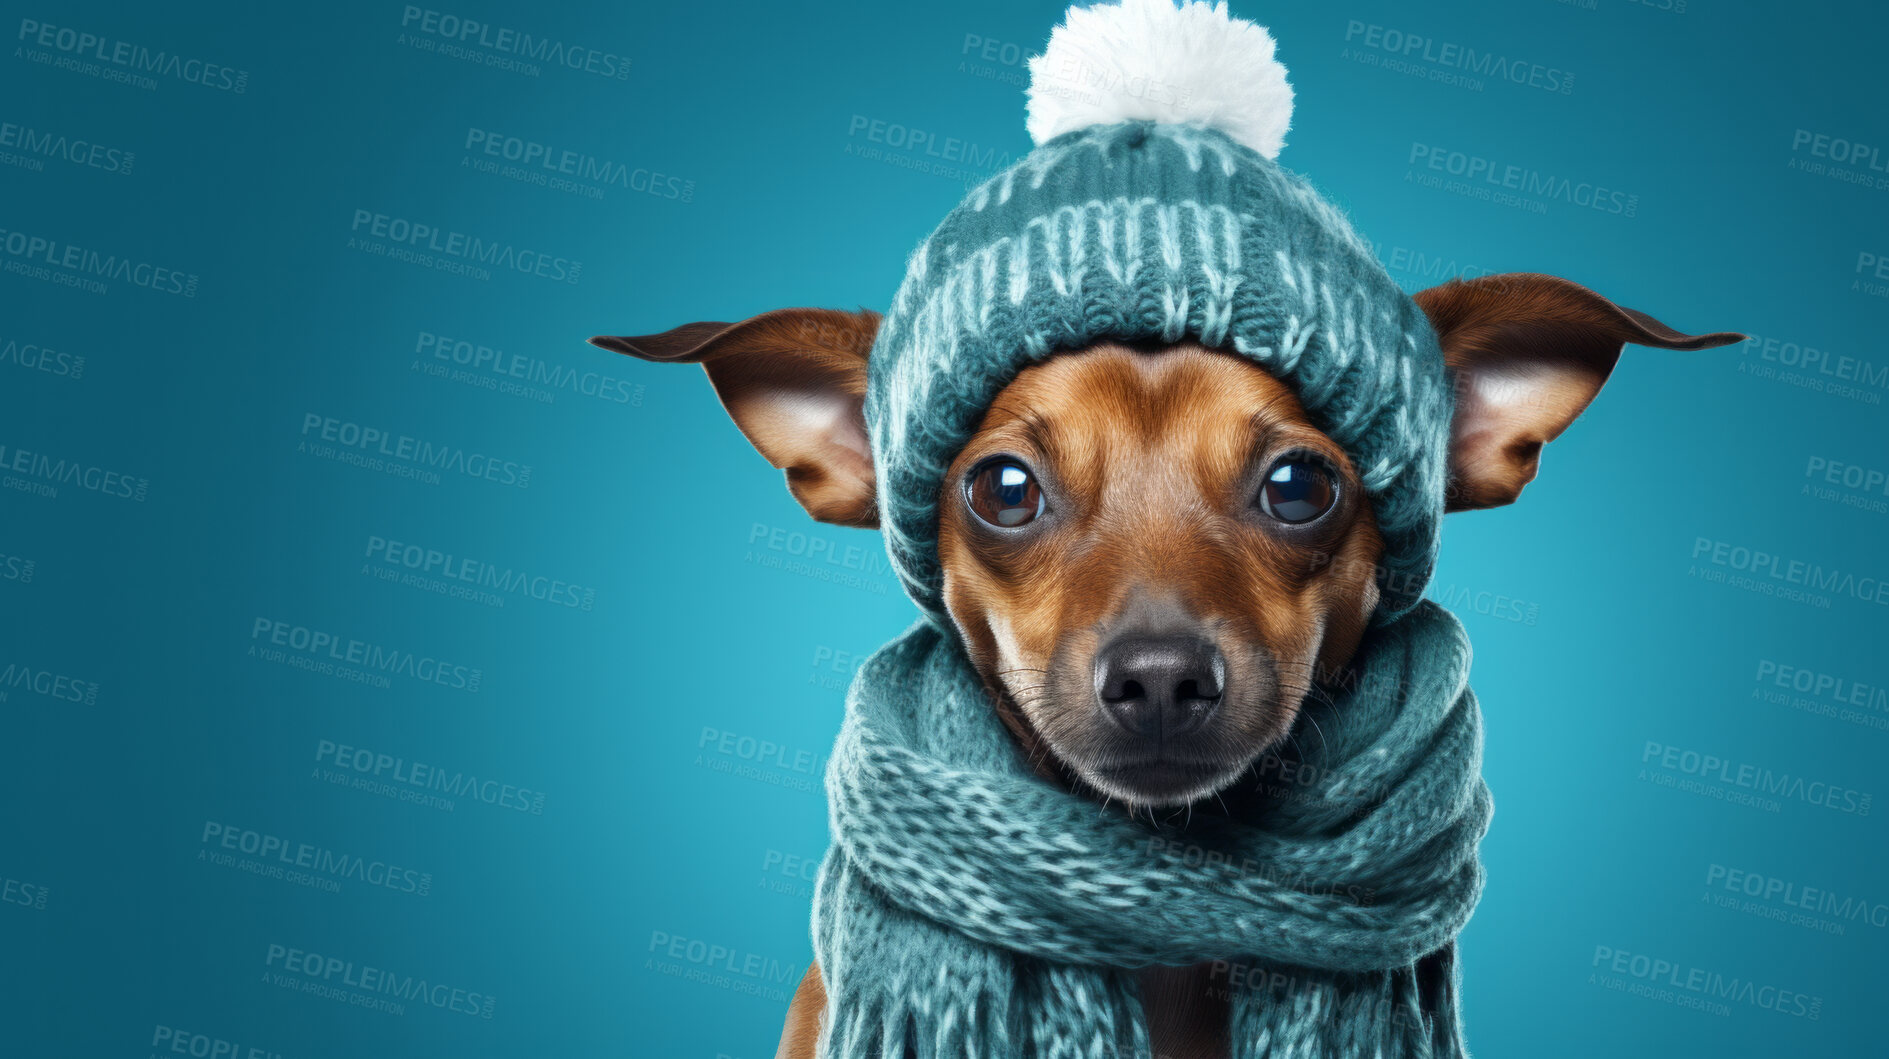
{"type": "Point", "coordinates": [675, 726]}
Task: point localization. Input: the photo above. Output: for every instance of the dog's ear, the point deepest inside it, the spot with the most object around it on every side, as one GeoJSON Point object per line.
{"type": "Point", "coordinates": [1527, 353]}
{"type": "Point", "coordinates": [794, 381]}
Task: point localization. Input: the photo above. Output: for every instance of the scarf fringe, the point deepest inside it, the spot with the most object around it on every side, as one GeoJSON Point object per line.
{"type": "Point", "coordinates": [954, 1019]}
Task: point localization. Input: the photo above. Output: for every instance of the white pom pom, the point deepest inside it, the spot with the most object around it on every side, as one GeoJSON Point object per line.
{"type": "Point", "coordinates": [1149, 60]}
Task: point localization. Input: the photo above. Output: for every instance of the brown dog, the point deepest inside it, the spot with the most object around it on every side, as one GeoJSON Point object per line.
{"type": "Point", "coordinates": [1211, 558]}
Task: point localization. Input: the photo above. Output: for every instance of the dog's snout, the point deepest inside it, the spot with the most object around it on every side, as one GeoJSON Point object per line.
{"type": "Point", "coordinates": [1160, 686]}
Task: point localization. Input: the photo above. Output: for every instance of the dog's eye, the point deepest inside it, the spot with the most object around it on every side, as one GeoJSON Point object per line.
{"type": "Point", "coordinates": [1004, 493]}
{"type": "Point", "coordinates": [1298, 489]}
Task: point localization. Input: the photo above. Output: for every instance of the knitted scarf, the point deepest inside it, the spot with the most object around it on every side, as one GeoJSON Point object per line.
{"type": "Point", "coordinates": [968, 907]}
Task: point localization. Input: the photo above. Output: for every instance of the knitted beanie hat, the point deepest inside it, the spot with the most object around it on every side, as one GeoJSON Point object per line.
{"type": "Point", "coordinates": [1152, 209]}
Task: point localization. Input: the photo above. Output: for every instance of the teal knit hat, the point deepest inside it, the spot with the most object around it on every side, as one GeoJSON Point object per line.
{"type": "Point", "coordinates": [1158, 228]}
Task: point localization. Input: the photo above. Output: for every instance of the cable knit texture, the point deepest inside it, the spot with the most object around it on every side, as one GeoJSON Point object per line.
{"type": "Point", "coordinates": [1141, 231]}
{"type": "Point", "coordinates": [968, 908]}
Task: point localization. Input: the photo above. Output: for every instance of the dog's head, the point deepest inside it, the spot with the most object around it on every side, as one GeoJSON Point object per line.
{"type": "Point", "coordinates": [1150, 553]}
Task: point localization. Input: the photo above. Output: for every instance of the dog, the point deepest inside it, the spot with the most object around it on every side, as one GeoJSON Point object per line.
{"type": "Point", "coordinates": [1150, 553]}
{"type": "Point", "coordinates": [1157, 446]}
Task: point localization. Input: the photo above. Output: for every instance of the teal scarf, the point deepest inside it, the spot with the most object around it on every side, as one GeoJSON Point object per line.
{"type": "Point", "coordinates": [969, 908]}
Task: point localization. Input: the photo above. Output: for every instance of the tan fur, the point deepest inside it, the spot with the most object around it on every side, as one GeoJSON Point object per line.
{"type": "Point", "coordinates": [801, 1034]}
{"type": "Point", "coordinates": [1152, 458]}
{"type": "Point", "coordinates": [1528, 353]}
{"type": "Point", "coordinates": [794, 382]}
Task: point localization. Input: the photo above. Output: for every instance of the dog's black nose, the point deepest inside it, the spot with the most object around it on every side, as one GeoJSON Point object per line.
{"type": "Point", "coordinates": [1159, 685]}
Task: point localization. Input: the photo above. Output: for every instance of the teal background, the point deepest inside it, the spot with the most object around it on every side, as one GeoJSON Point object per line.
{"type": "Point", "coordinates": [1597, 631]}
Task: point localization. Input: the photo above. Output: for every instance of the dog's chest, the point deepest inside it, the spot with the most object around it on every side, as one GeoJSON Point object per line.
{"type": "Point", "coordinates": [1186, 1011]}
